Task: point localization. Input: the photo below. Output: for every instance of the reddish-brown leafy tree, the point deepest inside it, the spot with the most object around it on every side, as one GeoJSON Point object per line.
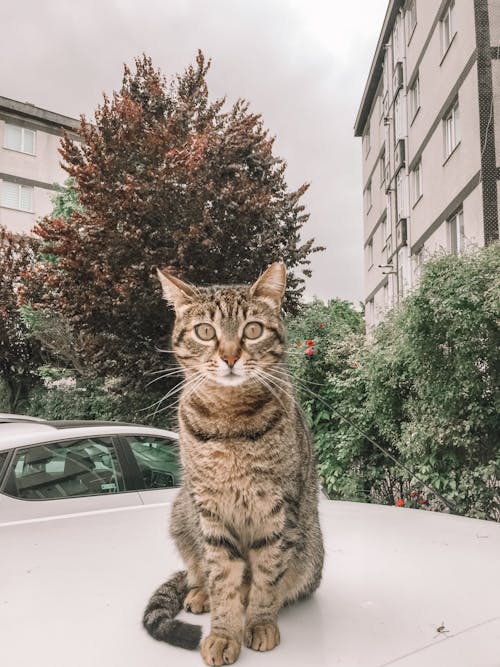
{"type": "Point", "coordinates": [165, 177]}
{"type": "Point", "coordinates": [19, 355]}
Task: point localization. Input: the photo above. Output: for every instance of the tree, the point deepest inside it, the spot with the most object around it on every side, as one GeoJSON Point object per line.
{"type": "Point", "coordinates": [164, 177]}
{"type": "Point", "coordinates": [19, 354]}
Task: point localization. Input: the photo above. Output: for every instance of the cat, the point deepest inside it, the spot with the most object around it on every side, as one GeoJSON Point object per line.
{"type": "Point", "coordinates": [245, 520]}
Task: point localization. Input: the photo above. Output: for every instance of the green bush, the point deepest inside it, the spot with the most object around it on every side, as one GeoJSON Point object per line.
{"type": "Point", "coordinates": [424, 387]}
{"type": "Point", "coordinates": [94, 400]}
{"type": "Point", "coordinates": [433, 377]}
{"type": "Point", "coordinates": [331, 385]}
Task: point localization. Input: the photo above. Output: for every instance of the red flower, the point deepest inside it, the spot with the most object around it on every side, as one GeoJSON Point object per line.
{"type": "Point", "coordinates": [298, 344]}
{"type": "Point", "coordinates": [355, 364]}
{"type": "Point", "coordinates": [414, 494]}
{"type": "Point", "coordinates": [421, 501]}
{"type": "Point", "coordinates": [309, 351]}
{"type": "Point", "coordinates": [309, 343]}
{"type": "Point", "coordinates": [400, 502]}
{"type": "Point", "coordinates": [321, 326]}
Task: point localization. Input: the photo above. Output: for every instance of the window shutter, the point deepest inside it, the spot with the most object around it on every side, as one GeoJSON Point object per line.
{"type": "Point", "coordinates": [29, 141]}
{"type": "Point", "coordinates": [10, 194]}
{"type": "Point", "coordinates": [13, 137]}
{"type": "Point", "coordinates": [26, 198]}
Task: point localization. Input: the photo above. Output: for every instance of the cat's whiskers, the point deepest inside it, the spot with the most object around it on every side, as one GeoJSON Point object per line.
{"type": "Point", "coordinates": [193, 389]}
{"type": "Point", "coordinates": [178, 387]}
{"type": "Point", "coordinates": [183, 396]}
{"type": "Point", "coordinates": [261, 378]}
{"type": "Point", "coordinates": [177, 371]}
{"type": "Point", "coordinates": [279, 383]}
{"type": "Point", "coordinates": [167, 368]}
{"type": "Point", "coordinates": [166, 375]}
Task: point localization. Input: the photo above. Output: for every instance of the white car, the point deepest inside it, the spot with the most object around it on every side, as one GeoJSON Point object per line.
{"type": "Point", "coordinates": [53, 468]}
{"type": "Point", "coordinates": [401, 587]}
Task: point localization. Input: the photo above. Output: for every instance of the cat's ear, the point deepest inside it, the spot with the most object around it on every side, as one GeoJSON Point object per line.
{"type": "Point", "coordinates": [271, 285]}
{"type": "Point", "coordinates": [175, 291]}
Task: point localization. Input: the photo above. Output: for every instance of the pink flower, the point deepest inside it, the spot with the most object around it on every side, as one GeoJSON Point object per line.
{"type": "Point", "coordinates": [309, 351]}
{"type": "Point", "coordinates": [321, 326]}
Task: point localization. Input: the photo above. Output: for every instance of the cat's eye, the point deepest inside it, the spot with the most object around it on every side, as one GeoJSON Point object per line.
{"type": "Point", "coordinates": [205, 331]}
{"type": "Point", "coordinates": [253, 330]}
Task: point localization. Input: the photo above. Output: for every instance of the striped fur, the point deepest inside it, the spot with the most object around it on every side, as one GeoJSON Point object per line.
{"type": "Point", "coordinates": [163, 607]}
{"type": "Point", "coordinates": [246, 518]}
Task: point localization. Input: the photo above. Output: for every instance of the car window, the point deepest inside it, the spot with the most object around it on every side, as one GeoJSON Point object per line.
{"type": "Point", "coordinates": [158, 461]}
{"type": "Point", "coordinates": [3, 458]}
{"type": "Point", "coordinates": [83, 467]}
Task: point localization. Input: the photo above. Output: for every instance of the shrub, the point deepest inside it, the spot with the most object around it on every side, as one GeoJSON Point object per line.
{"type": "Point", "coordinates": [331, 385]}
{"type": "Point", "coordinates": [67, 398]}
{"type": "Point", "coordinates": [425, 388]}
{"type": "Point", "coordinates": [433, 377]}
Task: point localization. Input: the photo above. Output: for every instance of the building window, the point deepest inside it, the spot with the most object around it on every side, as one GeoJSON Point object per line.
{"type": "Point", "coordinates": [446, 24]}
{"type": "Point", "coordinates": [383, 232]}
{"type": "Point", "coordinates": [17, 196]}
{"type": "Point", "coordinates": [411, 18]}
{"type": "Point", "coordinates": [369, 253]}
{"type": "Point", "coordinates": [366, 141]}
{"type": "Point", "coordinates": [416, 182]}
{"type": "Point", "coordinates": [387, 304]}
{"type": "Point", "coordinates": [418, 261]}
{"type": "Point", "coordinates": [18, 138]}
{"type": "Point", "coordinates": [399, 117]}
{"type": "Point", "coordinates": [401, 195]}
{"type": "Point", "coordinates": [368, 196]}
{"type": "Point", "coordinates": [414, 95]}
{"type": "Point", "coordinates": [381, 166]}
{"type": "Point", "coordinates": [451, 129]}
{"type": "Point", "coordinates": [380, 103]}
{"type": "Point", "coordinates": [397, 39]}
{"type": "Point", "coordinates": [456, 235]}
{"type": "Point", "coordinates": [370, 311]}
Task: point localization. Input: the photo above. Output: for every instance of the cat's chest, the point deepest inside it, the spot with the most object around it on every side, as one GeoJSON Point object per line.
{"type": "Point", "coordinates": [240, 487]}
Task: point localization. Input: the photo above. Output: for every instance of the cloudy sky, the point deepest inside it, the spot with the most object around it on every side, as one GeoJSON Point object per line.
{"type": "Point", "coordinates": [302, 65]}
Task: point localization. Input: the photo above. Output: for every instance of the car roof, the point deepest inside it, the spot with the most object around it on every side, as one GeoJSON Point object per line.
{"type": "Point", "coordinates": [400, 586]}
{"type": "Point", "coordinates": [20, 434]}
{"type": "Point", "coordinates": [7, 418]}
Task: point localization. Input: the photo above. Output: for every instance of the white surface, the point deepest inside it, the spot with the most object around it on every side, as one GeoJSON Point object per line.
{"type": "Point", "coordinates": [14, 435]}
{"type": "Point", "coordinates": [73, 591]}
{"type": "Point", "coordinates": [21, 434]}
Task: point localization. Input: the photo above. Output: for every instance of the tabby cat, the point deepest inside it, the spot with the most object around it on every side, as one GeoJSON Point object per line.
{"type": "Point", "coordinates": [246, 518]}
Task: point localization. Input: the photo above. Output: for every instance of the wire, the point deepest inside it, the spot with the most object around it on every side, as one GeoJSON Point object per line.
{"type": "Point", "coordinates": [446, 502]}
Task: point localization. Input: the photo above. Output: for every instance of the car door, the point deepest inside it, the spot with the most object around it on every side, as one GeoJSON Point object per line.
{"type": "Point", "coordinates": [157, 465]}
{"type": "Point", "coordinates": [65, 476]}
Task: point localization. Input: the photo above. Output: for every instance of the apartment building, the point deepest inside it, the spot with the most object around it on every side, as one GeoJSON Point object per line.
{"type": "Point", "coordinates": [29, 161]}
{"type": "Point", "coordinates": [429, 120]}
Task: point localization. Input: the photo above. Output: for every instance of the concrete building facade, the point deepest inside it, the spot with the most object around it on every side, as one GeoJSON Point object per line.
{"type": "Point", "coordinates": [30, 167]}
{"type": "Point", "coordinates": [430, 126]}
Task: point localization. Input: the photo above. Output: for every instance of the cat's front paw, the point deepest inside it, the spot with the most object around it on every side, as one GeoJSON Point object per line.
{"type": "Point", "coordinates": [197, 601]}
{"type": "Point", "coordinates": [262, 636]}
{"type": "Point", "coordinates": [217, 650]}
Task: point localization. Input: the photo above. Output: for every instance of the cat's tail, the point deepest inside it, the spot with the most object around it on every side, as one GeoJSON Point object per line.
{"type": "Point", "coordinates": [163, 607]}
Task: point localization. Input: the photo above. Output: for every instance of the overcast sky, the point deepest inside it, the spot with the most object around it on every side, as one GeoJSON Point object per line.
{"type": "Point", "coordinates": [301, 64]}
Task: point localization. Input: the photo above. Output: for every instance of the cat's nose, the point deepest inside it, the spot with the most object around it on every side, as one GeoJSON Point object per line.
{"type": "Point", "coordinates": [230, 359]}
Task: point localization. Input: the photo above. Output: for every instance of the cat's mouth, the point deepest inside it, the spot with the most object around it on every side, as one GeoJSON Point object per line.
{"type": "Point", "coordinates": [230, 377]}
